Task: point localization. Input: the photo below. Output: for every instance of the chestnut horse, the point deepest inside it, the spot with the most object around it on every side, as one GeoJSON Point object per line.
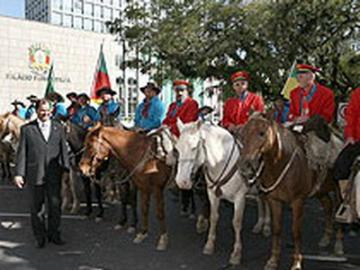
{"type": "Point", "coordinates": [135, 153]}
{"type": "Point", "coordinates": [274, 156]}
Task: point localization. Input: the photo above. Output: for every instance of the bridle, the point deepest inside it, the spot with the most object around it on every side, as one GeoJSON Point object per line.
{"type": "Point", "coordinates": [280, 178]}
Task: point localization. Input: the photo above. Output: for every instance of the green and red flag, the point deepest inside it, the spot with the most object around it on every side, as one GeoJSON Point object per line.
{"type": "Point", "coordinates": [291, 82]}
{"type": "Point", "coordinates": [50, 87]}
{"type": "Point", "coordinates": [101, 76]}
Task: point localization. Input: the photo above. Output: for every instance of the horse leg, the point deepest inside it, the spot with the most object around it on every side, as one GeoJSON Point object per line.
{"type": "Point", "coordinates": [160, 214]}
{"type": "Point", "coordinates": [202, 223]}
{"type": "Point", "coordinates": [87, 191]}
{"type": "Point", "coordinates": [193, 205]}
{"type": "Point", "coordinates": [145, 203]}
{"type": "Point", "coordinates": [76, 203]}
{"type": "Point", "coordinates": [214, 217]}
{"type": "Point", "coordinates": [267, 221]}
{"type": "Point", "coordinates": [327, 205]}
{"type": "Point", "coordinates": [65, 191]}
{"type": "Point", "coordinates": [133, 203]}
{"type": "Point", "coordinates": [123, 208]}
{"type": "Point", "coordinates": [261, 215]}
{"type": "Point", "coordinates": [297, 218]}
{"type": "Point", "coordinates": [239, 206]}
{"type": "Point", "coordinates": [185, 196]}
{"type": "Point", "coordinates": [276, 211]}
{"type": "Point", "coordinates": [98, 196]}
{"type": "Point", "coordinates": [339, 246]}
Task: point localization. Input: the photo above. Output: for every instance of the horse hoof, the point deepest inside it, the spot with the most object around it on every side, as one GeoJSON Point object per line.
{"type": "Point", "coordinates": [271, 265]}
{"type": "Point", "coordinates": [202, 226]}
{"type": "Point", "coordinates": [324, 242]}
{"type": "Point", "coordinates": [118, 227]}
{"type": "Point", "coordinates": [209, 249]}
{"type": "Point", "coordinates": [256, 229]}
{"type": "Point", "coordinates": [163, 242]}
{"type": "Point", "coordinates": [98, 219]}
{"type": "Point", "coordinates": [296, 266]}
{"type": "Point", "coordinates": [140, 237]}
{"type": "Point", "coordinates": [131, 230]}
{"type": "Point", "coordinates": [339, 248]}
{"type": "Point", "coordinates": [266, 231]}
{"type": "Point", "coordinates": [235, 259]}
{"type": "Point", "coordinates": [192, 216]}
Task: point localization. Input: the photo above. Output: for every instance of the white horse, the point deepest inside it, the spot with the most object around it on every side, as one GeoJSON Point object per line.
{"type": "Point", "coordinates": [216, 149]}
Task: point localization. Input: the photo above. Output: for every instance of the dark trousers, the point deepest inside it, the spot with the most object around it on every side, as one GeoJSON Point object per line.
{"type": "Point", "coordinates": [39, 194]}
{"type": "Point", "coordinates": [345, 160]}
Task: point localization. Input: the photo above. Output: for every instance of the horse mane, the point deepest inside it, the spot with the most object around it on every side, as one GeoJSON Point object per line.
{"type": "Point", "coordinates": [318, 125]}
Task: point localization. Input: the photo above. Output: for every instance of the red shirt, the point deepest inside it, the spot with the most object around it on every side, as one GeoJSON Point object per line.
{"type": "Point", "coordinates": [322, 103]}
{"type": "Point", "coordinates": [352, 116]}
{"type": "Point", "coordinates": [237, 111]}
{"type": "Point", "coordinates": [187, 112]}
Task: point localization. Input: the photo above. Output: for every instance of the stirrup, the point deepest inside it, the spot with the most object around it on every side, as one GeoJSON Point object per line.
{"type": "Point", "coordinates": [345, 214]}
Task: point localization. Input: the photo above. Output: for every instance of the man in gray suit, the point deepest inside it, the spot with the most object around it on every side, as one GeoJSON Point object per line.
{"type": "Point", "coordinates": [41, 160]}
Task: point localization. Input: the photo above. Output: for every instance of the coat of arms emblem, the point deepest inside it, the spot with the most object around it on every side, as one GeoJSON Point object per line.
{"type": "Point", "coordinates": [39, 58]}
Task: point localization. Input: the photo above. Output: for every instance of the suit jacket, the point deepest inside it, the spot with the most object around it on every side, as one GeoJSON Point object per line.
{"type": "Point", "coordinates": [40, 161]}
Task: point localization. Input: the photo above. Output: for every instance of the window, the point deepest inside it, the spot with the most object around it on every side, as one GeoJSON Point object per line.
{"type": "Point", "coordinates": [67, 5]}
{"type": "Point", "coordinates": [88, 9]}
{"type": "Point", "coordinates": [78, 23]}
{"type": "Point", "coordinates": [107, 14]}
{"type": "Point", "coordinates": [57, 4]}
{"type": "Point", "coordinates": [97, 11]}
{"type": "Point", "coordinates": [88, 24]}
{"type": "Point", "coordinates": [97, 26]}
{"type": "Point", "coordinates": [117, 3]}
{"type": "Point", "coordinates": [78, 6]}
{"type": "Point", "coordinates": [56, 18]}
{"type": "Point", "coordinates": [67, 20]}
{"type": "Point", "coordinates": [107, 2]}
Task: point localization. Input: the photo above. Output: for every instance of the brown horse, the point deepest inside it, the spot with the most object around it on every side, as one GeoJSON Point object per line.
{"type": "Point", "coordinates": [275, 157]}
{"type": "Point", "coordinates": [134, 152]}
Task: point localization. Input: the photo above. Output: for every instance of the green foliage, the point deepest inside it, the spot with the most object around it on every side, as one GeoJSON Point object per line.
{"type": "Point", "coordinates": [207, 38]}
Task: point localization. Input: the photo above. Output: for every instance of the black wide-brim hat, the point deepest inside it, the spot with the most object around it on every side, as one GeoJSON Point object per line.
{"type": "Point", "coordinates": [105, 90]}
{"type": "Point", "coordinates": [55, 97]}
{"type": "Point", "coordinates": [151, 86]}
{"type": "Point", "coordinates": [71, 94]}
{"type": "Point", "coordinates": [83, 95]}
{"type": "Point", "coordinates": [32, 97]}
{"type": "Point", "coordinates": [17, 102]}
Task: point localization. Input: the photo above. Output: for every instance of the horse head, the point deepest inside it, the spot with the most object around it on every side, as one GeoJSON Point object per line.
{"type": "Point", "coordinates": [190, 153]}
{"type": "Point", "coordinates": [97, 150]}
{"type": "Point", "coordinates": [259, 137]}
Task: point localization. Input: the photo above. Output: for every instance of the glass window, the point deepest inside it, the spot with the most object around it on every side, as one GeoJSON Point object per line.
{"type": "Point", "coordinates": [107, 2]}
{"type": "Point", "coordinates": [107, 14]}
{"type": "Point", "coordinates": [67, 5]}
{"type": "Point", "coordinates": [78, 6]}
{"type": "Point", "coordinates": [88, 24]}
{"type": "Point", "coordinates": [88, 9]}
{"type": "Point", "coordinates": [97, 26]}
{"type": "Point", "coordinates": [67, 20]}
{"type": "Point", "coordinates": [97, 11]}
{"type": "Point", "coordinates": [117, 3]}
{"type": "Point", "coordinates": [57, 4]}
{"type": "Point", "coordinates": [78, 22]}
{"type": "Point", "coordinates": [56, 18]}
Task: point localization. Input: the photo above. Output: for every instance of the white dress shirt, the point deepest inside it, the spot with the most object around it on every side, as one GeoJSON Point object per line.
{"type": "Point", "coordinates": [45, 128]}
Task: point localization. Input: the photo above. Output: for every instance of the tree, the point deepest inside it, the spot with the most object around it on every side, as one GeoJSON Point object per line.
{"type": "Point", "coordinates": [203, 38]}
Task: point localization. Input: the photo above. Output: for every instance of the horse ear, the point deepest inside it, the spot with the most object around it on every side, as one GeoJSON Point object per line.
{"type": "Point", "coordinates": [180, 124]}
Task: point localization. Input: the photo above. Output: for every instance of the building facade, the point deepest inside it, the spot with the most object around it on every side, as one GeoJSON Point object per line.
{"type": "Point", "coordinates": [88, 15]}
{"type": "Point", "coordinates": [29, 48]}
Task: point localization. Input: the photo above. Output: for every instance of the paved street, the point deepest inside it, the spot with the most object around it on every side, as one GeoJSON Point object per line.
{"type": "Point", "coordinates": [95, 246]}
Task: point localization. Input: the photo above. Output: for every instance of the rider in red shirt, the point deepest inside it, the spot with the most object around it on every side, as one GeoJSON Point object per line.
{"type": "Point", "coordinates": [310, 98]}
{"type": "Point", "coordinates": [185, 108]}
{"type": "Point", "coordinates": [238, 109]}
{"type": "Point", "coordinates": [351, 151]}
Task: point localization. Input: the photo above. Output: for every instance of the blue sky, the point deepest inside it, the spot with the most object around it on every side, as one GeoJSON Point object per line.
{"type": "Point", "coordinates": [13, 8]}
